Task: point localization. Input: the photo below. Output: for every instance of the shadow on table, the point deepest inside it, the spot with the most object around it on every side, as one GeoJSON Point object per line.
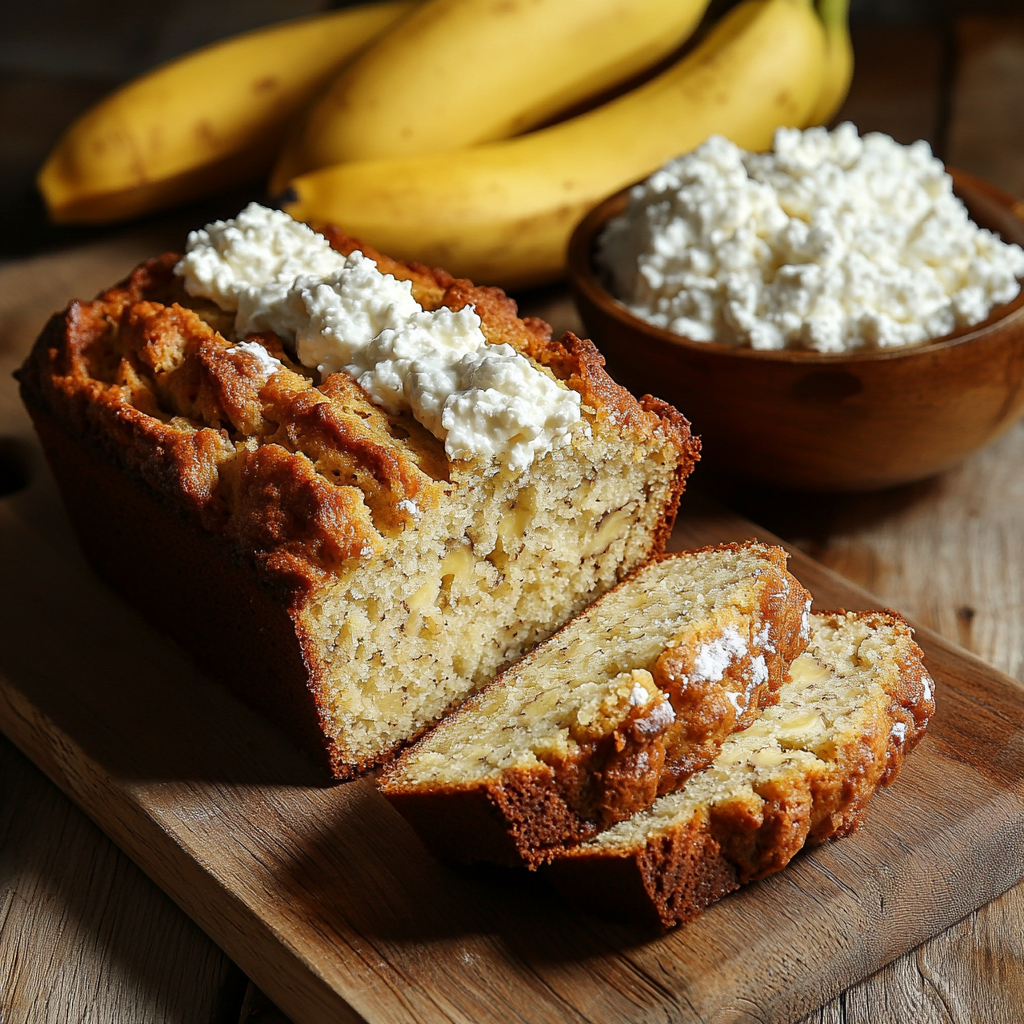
{"type": "Point", "coordinates": [809, 518]}
{"type": "Point", "coordinates": [115, 687]}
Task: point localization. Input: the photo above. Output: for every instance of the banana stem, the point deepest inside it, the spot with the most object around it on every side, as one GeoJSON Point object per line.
{"type": "Point", "coordinates": [834, 13]}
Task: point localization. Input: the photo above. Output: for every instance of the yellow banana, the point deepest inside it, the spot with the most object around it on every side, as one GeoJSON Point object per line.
{"type": "Point", "coordinates": [207, 120]}
{"type": "Point", "coordinates": [461, 72]}
{"type": "Point", "coordinates": [838, 60]}
{"type": "Point", "coordinates": [502, 212]}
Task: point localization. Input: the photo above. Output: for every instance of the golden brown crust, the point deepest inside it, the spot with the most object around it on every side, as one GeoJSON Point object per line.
{"type": "Point", "coordinates": [708, 711]}
{"type": "Point", "coordinates": [674, 425]}
{"type": "Point", "coordinates": [147, 380]}
{"type": "Point", "coordinates": [879, 758]}
{"type": "Point", "coordinates": [687, 863]}
{"type": "Point", "coordinates": [681, 868]}
{"type": "Point", "coordinates": [295, 482]}
{"type": "Point", "coordinates": [151, 553]}
{"type": "Point", "coordinates": [569, 799]}
{"type": "Point", "coordinates": [168, 400]}
{"type": "Point", "coordinates": [575, 361]}
{"type": "Point", "coordinates": [613, 775]}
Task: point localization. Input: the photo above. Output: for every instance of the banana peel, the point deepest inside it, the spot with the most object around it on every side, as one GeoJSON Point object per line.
{"type": "Point", "coordinates": [502, 213]}
{"type": "Point", "coordinates": [838, 61]}
{"type": "Point", "coordinates": [473, 72]}
{"type": "Point", "coordinates": [211, 119]}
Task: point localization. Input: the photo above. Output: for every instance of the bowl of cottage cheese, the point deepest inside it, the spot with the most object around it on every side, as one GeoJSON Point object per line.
{"type": "Point", "coordinates": [840, 313]}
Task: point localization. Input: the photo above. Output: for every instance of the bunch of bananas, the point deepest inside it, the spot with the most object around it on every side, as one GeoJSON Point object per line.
{"type": "Point", "coordinates": [415, 125]}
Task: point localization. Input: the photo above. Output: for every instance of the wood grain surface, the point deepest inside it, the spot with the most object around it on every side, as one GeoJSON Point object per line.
{"type": "Point", "coordinates": [69, 896]}
{"type": "Point", "coordinates": [327, 900]}
{"type": "Point", "coordinates": [85, 936]}
{"type": "Point", "coordinates": [914, 986]}
{"type": "Point", "coordinates": [948, 552]}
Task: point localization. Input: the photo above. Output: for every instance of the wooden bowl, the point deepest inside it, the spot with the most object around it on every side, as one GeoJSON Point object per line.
{"type": "Point", "coordinates": [842, 422]}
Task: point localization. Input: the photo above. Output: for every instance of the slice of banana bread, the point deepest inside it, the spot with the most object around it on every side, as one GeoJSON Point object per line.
{"type": "Point", "coordinates": [327, 557]}
{"type": "Point", "coordinates": [623, 703]}
{"type": "Point", "coordinates": [856, 703]}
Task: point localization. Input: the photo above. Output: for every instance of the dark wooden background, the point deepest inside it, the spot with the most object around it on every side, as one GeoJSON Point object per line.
{"type": "Point", "coordinates": [58, 56]}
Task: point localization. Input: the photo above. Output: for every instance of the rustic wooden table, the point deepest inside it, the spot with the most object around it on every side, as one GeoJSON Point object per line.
{"type": "Point", "coordinates": [84, 935]}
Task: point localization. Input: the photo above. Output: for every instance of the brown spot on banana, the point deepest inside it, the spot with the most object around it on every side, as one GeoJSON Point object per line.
{"type": "Point", "coordinates": [205, 133]}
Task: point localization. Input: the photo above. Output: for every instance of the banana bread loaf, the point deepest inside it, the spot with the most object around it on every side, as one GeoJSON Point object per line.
{"type": "Point", "coordinates": [353, 565]}
{"type": "Point", "coordinates": [857, 702]}
{"type": "Point", "coordinates": [625, 702]}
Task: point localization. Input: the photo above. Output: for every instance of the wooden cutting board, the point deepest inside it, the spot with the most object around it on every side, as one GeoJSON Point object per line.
{"type": "Point", "coordinates": [328, 901]}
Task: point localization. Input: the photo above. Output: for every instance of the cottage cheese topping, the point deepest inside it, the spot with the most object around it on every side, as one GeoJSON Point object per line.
{"type": "Point", "coordinates": [342, 314]}
{"type": "Point", "coordinates": [758, 670]}
{"type": "Point", "coordinates": [714, 658]}
{"type": "Point", "coordinates": [484, 400]}
{"type": "Point", "coordinates": [658, 720]}
{"type": "Point", "coordinates": [830, 242]}
{"type": "Point", "coordinates": [638, 696]}
{"type": "Point", "coordinates": [333, 319]}
{"type": "Point", "coordinates": [268, 364]}
{"type": "Point", "coordinates": [256, 250]}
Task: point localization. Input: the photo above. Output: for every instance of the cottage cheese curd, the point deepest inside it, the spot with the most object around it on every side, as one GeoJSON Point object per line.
{"type": "Point", "coordinates": [830, 242]}
{"type": "Point", "coordinates": [342, 314]}
{"type": "Point", "coordinates": [259, 253]}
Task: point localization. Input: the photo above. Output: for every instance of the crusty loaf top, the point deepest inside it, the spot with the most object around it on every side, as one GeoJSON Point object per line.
{"type": "Point", "coordinates": [304, 479]}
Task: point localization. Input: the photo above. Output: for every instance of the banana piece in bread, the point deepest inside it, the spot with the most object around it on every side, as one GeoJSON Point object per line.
{"type": "Point", "coordinates": [327, 557]}
{"type": "Point", "coordinates": [623, 703]}
{"type": "Point", "coordinates": [857, 702]}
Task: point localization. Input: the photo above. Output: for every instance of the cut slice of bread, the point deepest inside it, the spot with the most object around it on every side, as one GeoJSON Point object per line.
{"type": "Point", "coordinates": [857, 702]}
{"type": "Point", "coordinates": [626, 701]}
{"type": "Point", "coordinates": [324, 557]}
